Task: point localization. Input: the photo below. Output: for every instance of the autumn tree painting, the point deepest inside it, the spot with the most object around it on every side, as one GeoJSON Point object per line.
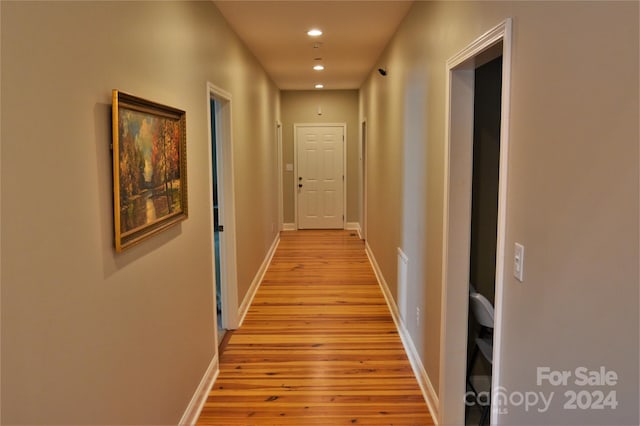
{"type": "Point", "coordinates": [164, 161]}
{"type": "Point", "coordinates": [150, 166]}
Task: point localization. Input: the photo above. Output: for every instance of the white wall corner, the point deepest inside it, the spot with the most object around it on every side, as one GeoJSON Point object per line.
{"type": "Point", "coordinates": [257, 280]}
{"type": "Point", "coordinates": [289, 227]}
{"type": "Point", "coordinates": [353, 226]}
{"type": "Point", "coordinates": [428, 391]}
{"type": "Point", "coordinates": [191, 414]}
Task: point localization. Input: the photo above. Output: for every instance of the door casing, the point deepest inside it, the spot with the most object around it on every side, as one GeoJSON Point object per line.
{"type": "Point", "coordinates": [363, 179]}
{"type": "Point", "coordinates": [458, 162]}
{"type": "Point", "coordinates": [226, 206]}
{"type": "Point", "coordinates": [279, 175]}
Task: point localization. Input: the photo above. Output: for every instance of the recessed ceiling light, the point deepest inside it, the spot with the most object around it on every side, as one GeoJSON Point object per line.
{"type": "Point", "coordinates": [314, 32]}
{"type": "Point", "coordinates": [319, 86]}
{"type": "Point", "coordinates": [318, 67]}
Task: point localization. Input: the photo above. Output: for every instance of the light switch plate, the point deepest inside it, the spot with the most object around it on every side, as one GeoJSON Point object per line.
{"type": "Point", "coordinates": [289, 167]}
{"type": "Point", "coordinates": [518, 262]}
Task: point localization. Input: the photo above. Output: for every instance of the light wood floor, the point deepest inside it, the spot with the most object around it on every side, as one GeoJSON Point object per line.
{"type": "Point", "coordinates": [318, 345]}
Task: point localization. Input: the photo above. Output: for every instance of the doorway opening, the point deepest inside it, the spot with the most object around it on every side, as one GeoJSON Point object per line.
{"type": "Point", "coordinates": [320, 169]}
{"type": "Point", "coordinates": [217, 227]}
{"type": "Point", "coordinates": [461, 237]}
{"type": "Point", "coordinates": [222, 210]}
{"type": "Point", "coordinates": [484, 223]}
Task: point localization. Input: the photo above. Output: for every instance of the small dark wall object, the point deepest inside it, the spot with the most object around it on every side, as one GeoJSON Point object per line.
{"type": "Point", "coordinates": [382, 71]}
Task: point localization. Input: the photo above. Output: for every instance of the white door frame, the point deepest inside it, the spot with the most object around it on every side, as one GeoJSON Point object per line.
{"type": "Point", "coordinates": [458, 163]}
{"type": "Point", "coordinates": [363, 177]}
{"type": "Point", "coordinates": [344, 166]}
{"type": "Point", "coordinates": [226, 203]}
{"type": "Point", "coordinates": [279, 176]}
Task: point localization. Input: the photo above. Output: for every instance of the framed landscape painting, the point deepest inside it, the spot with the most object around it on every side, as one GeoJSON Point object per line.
{"type": "Point", "coordinates": [149, 168]}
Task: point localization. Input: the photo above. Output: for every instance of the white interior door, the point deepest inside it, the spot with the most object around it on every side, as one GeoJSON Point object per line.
{"type": "Point", "coordinates": [320, 177]}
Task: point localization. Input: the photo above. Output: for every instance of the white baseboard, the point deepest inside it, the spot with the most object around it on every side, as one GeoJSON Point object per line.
{"type": "Point", "coordinates": [353, 226]}
{"type": "Point", "coordinates": [428, 391]}
{"type": "Point", "coordinates": [289, 227]}
{"type": "Point", "coordinates": [199, 398]}
{"type": "Point", "coordinates": [257, 280]}
{"type": "Point", "coordinates": [191, 414]}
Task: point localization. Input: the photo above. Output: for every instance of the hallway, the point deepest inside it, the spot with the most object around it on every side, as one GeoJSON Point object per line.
{"type": "Point", "coordinates": [318, 345]}
{"type": "Point", "coordinates": [97, 336]}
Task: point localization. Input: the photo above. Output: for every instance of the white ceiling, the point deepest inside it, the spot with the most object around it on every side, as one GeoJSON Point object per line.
{"type": "Point", "coordinates": [355, 33]}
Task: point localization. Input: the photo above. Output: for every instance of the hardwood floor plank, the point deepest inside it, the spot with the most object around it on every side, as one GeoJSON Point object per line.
{"type": "Point", "coordinates": [318, 345]}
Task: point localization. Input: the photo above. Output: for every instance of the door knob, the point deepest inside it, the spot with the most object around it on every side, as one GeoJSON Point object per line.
{"type": "Point", "coordinates": [299, 185]}
{"type": "Point", "coordinates": [299, 177]}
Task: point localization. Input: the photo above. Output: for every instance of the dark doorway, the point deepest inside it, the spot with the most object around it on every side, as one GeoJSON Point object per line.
{"type": "Point", "coordinates": [216, 220]}
{"type": "Point", "coordinates": [484, 225]}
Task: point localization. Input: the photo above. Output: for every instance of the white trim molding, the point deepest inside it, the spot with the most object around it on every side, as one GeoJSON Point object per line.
{"type": "Point", "coordinates": [226, 212]}
{"type": "Point", "coordinates": [458, 163]}
{"type": "Point", "coordinates": [426, 387]}
{"type": "Point", "coordinates": [289, 227]}
{"type": "Point", "coordinates": [257, 280]}
{"type": "Point", "coordinates": [279, 176]}
{"type": "Point", "coordinates": [354, 226]}
{"type": "Point", "coordinates": [363, 178]}
{"type": "Point", "coordinates": [191, 414]}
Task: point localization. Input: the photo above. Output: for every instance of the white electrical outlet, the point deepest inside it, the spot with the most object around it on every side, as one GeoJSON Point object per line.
{"type": "Point", "coordinates": [518, 262]}
{"type": "Point", "coordinates": [418, 316]}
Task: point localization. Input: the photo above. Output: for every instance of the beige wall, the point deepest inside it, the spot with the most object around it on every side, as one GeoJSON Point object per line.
{"type": "Point", "coordinates": [88, 336]}
{"type": "Point", "coordinates": [573, 187]}
{"type": "Point", "coordinates": [337, 106]}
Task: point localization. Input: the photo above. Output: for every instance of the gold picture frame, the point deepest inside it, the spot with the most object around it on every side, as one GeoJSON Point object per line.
{"type": "Point", "coordinates": [149, 168]}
